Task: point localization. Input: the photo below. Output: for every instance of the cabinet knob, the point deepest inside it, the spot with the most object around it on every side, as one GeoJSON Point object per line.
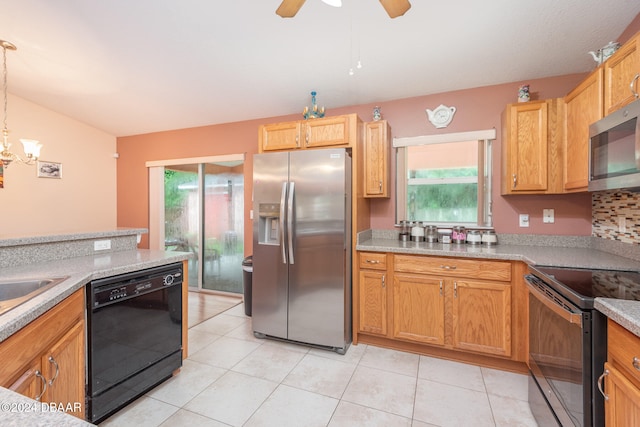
{"type": "Point", "coordinates": [383, 281]}
{"type": "Point", "coordinates": [381, 186]}
{"type": "Point", "coordinates": [515, 180]}
{"type": "Point", "coordinates": [636, 363]}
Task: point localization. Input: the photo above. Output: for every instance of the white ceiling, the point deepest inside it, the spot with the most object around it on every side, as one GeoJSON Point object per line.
{"type": "Point", "coordinates": [138, 66]}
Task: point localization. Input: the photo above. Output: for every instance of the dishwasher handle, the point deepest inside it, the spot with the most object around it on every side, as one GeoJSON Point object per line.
{"type": "Point", "coordinates": [536, 287]}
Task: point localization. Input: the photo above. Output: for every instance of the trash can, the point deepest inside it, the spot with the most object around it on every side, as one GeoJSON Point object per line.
{"type": "Point", "coordinates": [247, 273]}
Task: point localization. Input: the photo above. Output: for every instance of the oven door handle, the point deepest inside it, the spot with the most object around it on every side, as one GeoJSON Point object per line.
{"type": "Point", "coordinates": [568, 315]}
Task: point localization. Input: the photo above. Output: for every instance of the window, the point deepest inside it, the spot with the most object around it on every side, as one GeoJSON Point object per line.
{"type": "Point", "coordinates": [445, 179]}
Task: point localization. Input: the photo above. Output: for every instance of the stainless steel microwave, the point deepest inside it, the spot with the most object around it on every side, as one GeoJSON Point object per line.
{"type": "Point", "coordinates": [614, 150]}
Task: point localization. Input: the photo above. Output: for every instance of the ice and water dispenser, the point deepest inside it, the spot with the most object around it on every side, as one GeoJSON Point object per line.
{"type": "Point", "coordinates": [269, 223]}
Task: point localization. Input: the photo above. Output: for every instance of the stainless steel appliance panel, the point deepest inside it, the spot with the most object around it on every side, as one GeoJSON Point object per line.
{"type": "Point", "coordinates": [270, 269]}
{"type": "Point", "coordinates": [318, 275]}
{"type": "Point", "coordinates": [302, 247]}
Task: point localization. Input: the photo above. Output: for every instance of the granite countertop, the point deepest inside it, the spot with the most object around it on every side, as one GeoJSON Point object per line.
{"type": "Point", "coordinates": [80, 271]}
{"type": "Point", "coordinates": [626, 313]}
{"type": "Point", "coordinates": [18, 410]}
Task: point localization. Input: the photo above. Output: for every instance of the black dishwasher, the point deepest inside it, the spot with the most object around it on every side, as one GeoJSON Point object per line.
{"type": "Point", "coordinates": [134, 336]}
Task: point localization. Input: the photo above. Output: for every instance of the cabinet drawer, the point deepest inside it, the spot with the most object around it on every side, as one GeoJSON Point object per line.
{"type": "Point", "coordinates": [624, 351]}
{"type": "Point", "coordinates": [373, 261]}
{"type": "Point", "coordinates": [476, 269]}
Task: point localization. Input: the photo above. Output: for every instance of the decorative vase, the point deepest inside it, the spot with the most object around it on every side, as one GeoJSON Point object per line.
{"type": "Point", "coordinates": [377, 114]}
{"type": "Point", "coordinates": [523, 94]}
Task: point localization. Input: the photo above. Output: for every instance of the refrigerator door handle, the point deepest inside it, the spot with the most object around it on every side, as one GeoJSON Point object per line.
{"type": "Point", "coordinates": [290, 220]}
{"type": "Point", "coordinates": [283, 199]}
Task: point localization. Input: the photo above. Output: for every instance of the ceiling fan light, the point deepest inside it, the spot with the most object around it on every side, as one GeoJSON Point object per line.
{"type": "Point", "coordinates": [334, 3]}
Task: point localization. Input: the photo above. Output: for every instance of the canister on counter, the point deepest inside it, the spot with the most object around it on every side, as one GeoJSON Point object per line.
{"type": "Point", "coordinates": [417, 232]}
{"type": "Point", "coordinates": [405, 231]}
{"type": "Point", "coordinates": [431, 234]}
{"type": "Point", "coordinates": [474, 237]}
{"type": "Point", "coordinates": [489, 238]}
{"type": "Point", "coordinates": [444, 235]}
{"type": "Point", "coordinates": [458, 235]}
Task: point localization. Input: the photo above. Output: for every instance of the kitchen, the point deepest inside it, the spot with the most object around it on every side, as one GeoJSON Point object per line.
{"type": "Point", "coordinates": [573, 212]}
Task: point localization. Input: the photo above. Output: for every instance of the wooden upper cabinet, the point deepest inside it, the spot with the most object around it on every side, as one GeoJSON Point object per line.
{"type": "Point", "coordinates": [280, 136]}
{"type": "Point", "coordinates": [328, 131]}
{"type": "Point", "coordinates": [376, 159]}
{"type": "Point", "coordinates": [532, 137]}
{"type": "Point", "coordinates": [584, 105]}
{"type": "Point", "coordinates": [621, 75]}
{"type": "Point", "coordinates": [337, 131]}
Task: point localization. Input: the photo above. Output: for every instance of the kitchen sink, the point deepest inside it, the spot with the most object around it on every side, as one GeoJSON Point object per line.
{"type": "Point", "coordinates": [16, 292]}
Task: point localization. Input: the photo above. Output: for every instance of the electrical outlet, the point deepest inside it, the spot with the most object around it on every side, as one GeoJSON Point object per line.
{"type": "Point", "coordinates": [524, 220]}
{"type": "Point", "coordinates": [622, 224]}
{"type": "Point", "coordinates": [101, 245]}
{"type": "Point", "coordinates": [548, 216]}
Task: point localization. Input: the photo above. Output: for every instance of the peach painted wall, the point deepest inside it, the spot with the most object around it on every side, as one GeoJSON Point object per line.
{"type": "Point", "coordinates": [83, 200]}
{"type": "Point", "coordinates": [478, 109]}
{"type": "Point", "coordinates": [135, 151]}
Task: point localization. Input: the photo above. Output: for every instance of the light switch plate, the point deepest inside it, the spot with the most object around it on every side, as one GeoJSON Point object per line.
{"type": "Point", "coordinates": [524, 220]}
{"type": "Point", "coordinates": [548, 216]}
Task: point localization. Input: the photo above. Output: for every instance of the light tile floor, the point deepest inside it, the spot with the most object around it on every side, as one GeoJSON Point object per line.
{"type": "Point", "coordinates": [232, 378]}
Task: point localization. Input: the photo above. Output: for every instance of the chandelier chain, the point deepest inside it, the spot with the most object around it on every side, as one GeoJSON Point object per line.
{"type": "Point", "coordinates": [4, 83]}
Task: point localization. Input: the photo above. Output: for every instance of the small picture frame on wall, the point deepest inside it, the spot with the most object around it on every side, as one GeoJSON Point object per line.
{"type": "Point", "coordinates": [49, 169]}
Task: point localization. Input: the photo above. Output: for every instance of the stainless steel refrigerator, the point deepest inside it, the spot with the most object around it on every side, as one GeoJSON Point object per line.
{"type": "Point", "coordinates": [301, 283]}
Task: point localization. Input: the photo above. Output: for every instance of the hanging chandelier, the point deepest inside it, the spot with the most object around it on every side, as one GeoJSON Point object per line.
{"type": "Point", "coordinates": [31, 147]}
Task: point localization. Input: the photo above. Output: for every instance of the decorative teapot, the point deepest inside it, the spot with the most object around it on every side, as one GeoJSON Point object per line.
{"type": "Point", "coordinates": [604, 52]}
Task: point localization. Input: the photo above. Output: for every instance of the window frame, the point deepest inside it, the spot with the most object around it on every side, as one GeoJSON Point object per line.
{"type": "Point", "coordinates": [484, 138]}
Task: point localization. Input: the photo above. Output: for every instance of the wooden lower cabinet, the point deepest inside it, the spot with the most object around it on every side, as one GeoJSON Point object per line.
{"type": "Point", "coordinates": [372, 295]}
{"type": "Point", "coordinates": [622, 377]}
{"type": "Point", "coordinates": [622, 408]}
{"type": "Point", "coordinates": [458, 305]}
{"type": "Point", "coordinates": [418, 308]}
{"type": "Point", "coordinates": [46, 359]}
{"type": "Point", "coordinates": [373, 302]}
{"type": "Point", "coordinates": [482, 317]}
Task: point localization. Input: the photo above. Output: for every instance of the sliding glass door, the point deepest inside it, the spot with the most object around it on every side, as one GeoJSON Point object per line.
{"type": "Point", "coordinates": [204, 215]}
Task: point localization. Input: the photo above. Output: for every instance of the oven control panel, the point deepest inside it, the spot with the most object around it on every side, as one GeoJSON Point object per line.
{"type": "Point", "coordinates": [119, 288]}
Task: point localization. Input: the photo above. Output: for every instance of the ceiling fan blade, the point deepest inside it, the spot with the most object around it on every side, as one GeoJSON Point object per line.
{"type": "Point", "coordinates": [395, 8]}
{"type": "Point", "coordinates": [289, 8]}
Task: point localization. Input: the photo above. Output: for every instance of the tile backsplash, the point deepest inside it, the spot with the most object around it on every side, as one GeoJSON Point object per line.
{"type": "Point", "coordinates": [610, 210]}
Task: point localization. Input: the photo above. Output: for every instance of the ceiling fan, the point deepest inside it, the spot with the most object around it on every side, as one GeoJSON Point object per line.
{"type": "Point", "coordinates": [395, 8]}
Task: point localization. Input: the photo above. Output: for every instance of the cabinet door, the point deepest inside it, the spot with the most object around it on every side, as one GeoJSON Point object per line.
{"type": "Point", "coordinates": [482, 317]}
{"type": "Point", "coordinates": [31, 383]}
{"type": "Point", "coordinates": [327, 132]}
{"type": "Point", "coordinates": [584, 106]}
{"type": "Point", "coordinates": [280, 136]}
{"type": "Point", "coordinates": [418, 308]}
{"type": "Point", "coordinates": [620, 72]}
{"type": "Point", "coordinates": [373, 302]}
{"type": "Point", "coordinates": [376, 159]}
{"type": "Point", "coordinates": [622, 408]}
{"type": "Point", "coordinates": [63, 366]}
{"type": "Point", "coordinates": [525, 150]}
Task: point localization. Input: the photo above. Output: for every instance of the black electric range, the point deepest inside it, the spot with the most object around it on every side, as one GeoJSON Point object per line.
{"type": "Point", "coordinates": [582, 286]}
{"type": "Point", "coordinates": [568, 341]}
